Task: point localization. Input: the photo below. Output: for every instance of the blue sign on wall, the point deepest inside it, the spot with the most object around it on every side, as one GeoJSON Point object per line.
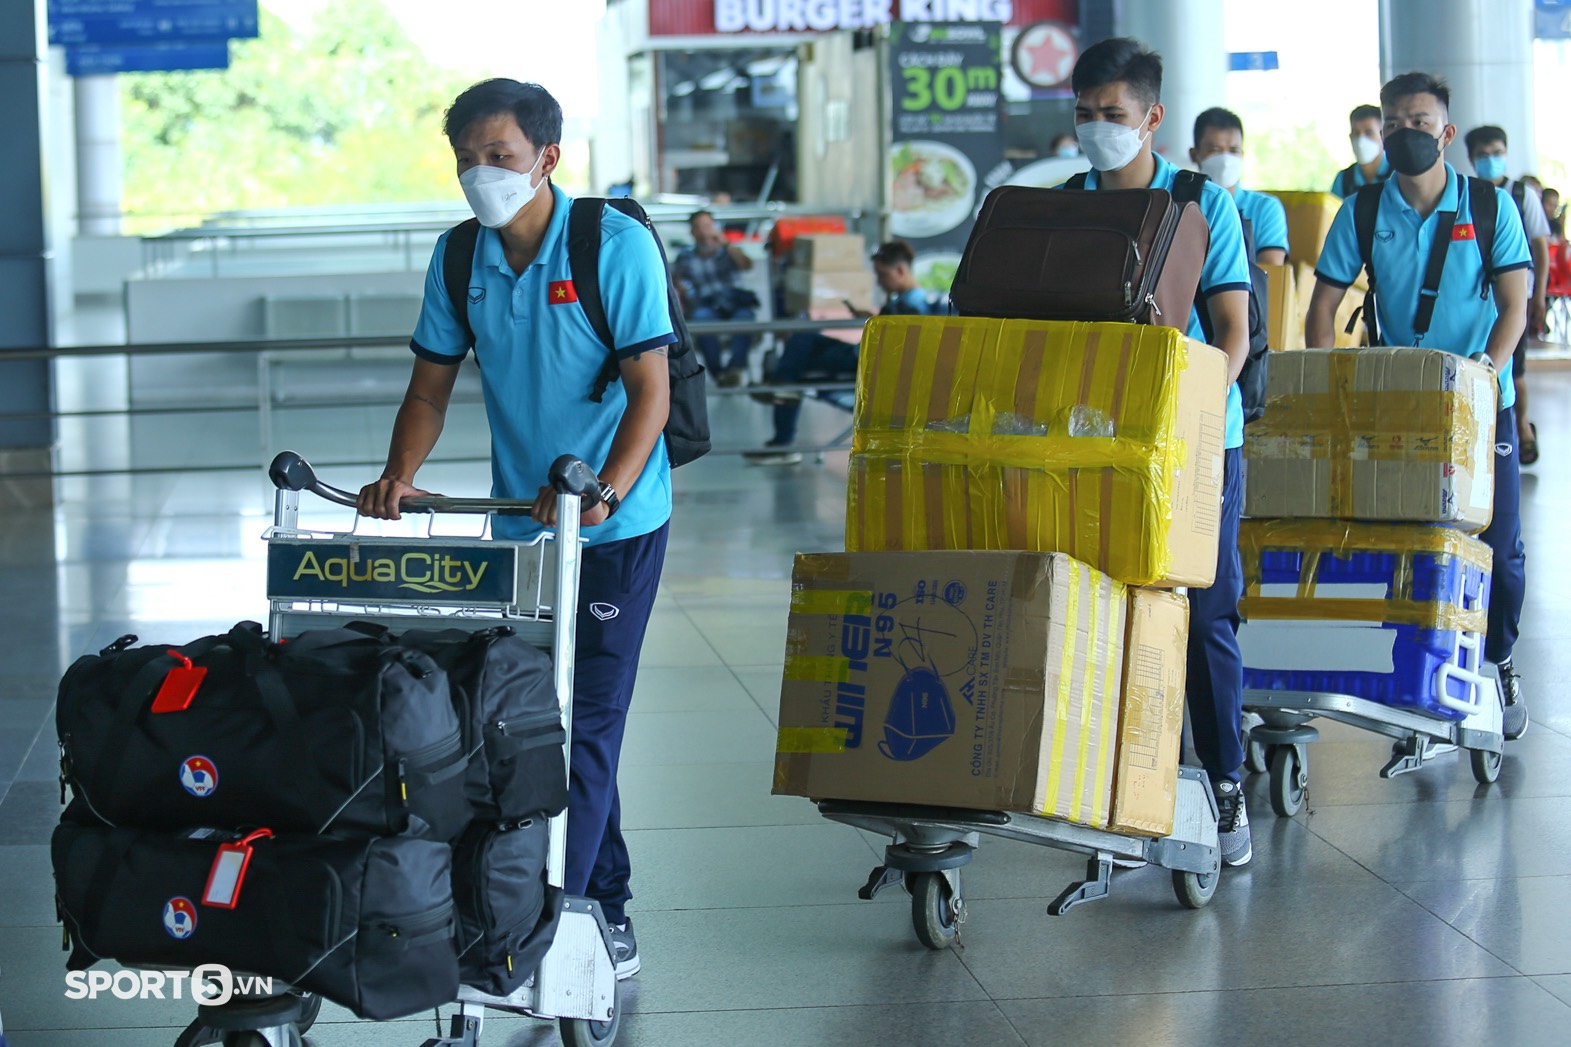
{"type": "Point", "coordinates": [1252, 61]}
{"type": "Point", "coordinates": [139, 22]}
{"type": "Point", "coordinates": [96, 60]}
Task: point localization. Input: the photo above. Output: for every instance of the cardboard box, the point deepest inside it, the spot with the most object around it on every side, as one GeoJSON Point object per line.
{"type": "Point", "coordinates": [1151, 713]}
{"type": "Point", "coordinates": [846, 251]}
{"type": "Point", "coordinates": [1103, 441]}
{"type": "Point", "coordinates": [962, 679]}
{"type": "Point", "coordinates": [1367, 609]}
{"type": "Point", "coordinates": [1309, 217]}
{"type": "Point", "coordinates": [1285, 325]}
{"type": "Point", "coordinates": [811, 289]}
{"type": "Point", "coordinates": [1402, 435]}
{"type": "Point", "coordinates": [1341, 337]}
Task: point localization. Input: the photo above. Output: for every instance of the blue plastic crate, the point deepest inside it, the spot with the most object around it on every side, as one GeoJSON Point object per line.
{"type": "Point", "coordinates": [1377, 611]}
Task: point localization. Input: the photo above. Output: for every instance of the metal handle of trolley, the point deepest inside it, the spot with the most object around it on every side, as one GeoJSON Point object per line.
{"type": "Point", "coordinates": [569, 476]}
{"type": "Point", "coordinates": [532, 587]}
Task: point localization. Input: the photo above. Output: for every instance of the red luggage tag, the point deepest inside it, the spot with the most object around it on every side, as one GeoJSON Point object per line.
{"type": "Point", "coordinates": [179, 686]}
{"type": "Point", "coordinates": [228, 872]}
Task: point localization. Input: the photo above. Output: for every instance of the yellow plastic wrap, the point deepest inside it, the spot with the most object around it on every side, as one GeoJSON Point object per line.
{"type": "Point", "coordinates": [1102, 441]}
{"type": "Point", "coordinates": [1374, 434]}
{"type": "Point", "coordinates": [1318, 538]}
{"type": "Point", "coordinates": [1309, 218]}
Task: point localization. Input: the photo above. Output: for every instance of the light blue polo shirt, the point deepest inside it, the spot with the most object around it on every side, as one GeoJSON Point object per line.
{"type": "Point", "coordinates": [1226, 267]}
{"type": "Point", "coordinates": [539, 360]}
{"type": "Point", "coordinates": [1382, 175]}
{"type": "Point", "coordinates": [1462, 319]}
{"type": "Point", "coordinates": [1267, 218]}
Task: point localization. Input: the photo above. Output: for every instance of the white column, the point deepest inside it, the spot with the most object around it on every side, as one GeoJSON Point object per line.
{"type": "Point", "coordinates": [98, 175]}
{"type": "Point", "coordinates": [1484, 49]}
{"type": "Point", "coordinates": [1189, 35]}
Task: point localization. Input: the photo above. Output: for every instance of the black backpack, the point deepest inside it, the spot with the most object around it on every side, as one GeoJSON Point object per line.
{"type": "Point", "coordinates": [1366, 212]}
{"type": "Point", "coordinates": [1187, 186]}
{"type": "Point", "coordinates": [1348, 186]}
{"type": "Point", "coordinates": [1187, 189]}
{"type": "Point", "coordinates": [687, 426]}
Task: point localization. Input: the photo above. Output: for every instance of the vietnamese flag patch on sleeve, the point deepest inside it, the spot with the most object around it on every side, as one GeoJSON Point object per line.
{"type": "Point", "coordinates": [1463, 232]}
{"type": "Point", "coordinates": [562, 291]}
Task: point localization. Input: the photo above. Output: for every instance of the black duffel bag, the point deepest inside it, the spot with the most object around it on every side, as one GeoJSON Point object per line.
{"type": "Point", "coordinates": [507, 912]}
{"type": "Point", "coordinates": [333, 730]}
{"type": "Point", "coordinates": [367, 922]}
{"type": "Point", "coordinates": [505, 691]}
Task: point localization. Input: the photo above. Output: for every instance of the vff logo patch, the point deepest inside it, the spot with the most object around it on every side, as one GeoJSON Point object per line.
{"type": "Point", "coordinates": [179, 918]}
{"type": "Point", "coordinates": [198, 776]}
{"type": "Point", "coordinates": [604, 611]}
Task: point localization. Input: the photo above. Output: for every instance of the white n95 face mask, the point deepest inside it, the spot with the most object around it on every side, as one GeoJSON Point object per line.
{"type": "Point", "coordinates": [1367, 149]}
{"type": "Point", "coordinates": [496, 195]}
{"type": "Point", "coordinates": [1225, 169]}
{"type": "Point", "coordinates": [1110, 146]}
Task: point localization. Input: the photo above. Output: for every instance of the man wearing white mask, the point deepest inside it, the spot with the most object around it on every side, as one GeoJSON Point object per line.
{"type": "Point", "coordinates": [1118, 107]}
{"type": "Point", "coordinates": [1369, 159]}
{"type": "Point", "coordinates": [539, 359]}
{"type": "Point", "coordinates": [1219, 153]}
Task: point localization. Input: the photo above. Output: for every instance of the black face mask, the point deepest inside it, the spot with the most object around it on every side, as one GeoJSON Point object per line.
{"type": "Point", "coordinates": [1411, 151]}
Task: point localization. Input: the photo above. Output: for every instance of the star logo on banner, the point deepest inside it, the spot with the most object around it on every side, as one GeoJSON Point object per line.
{"type": "Point", "coordinates": [1045, 54]}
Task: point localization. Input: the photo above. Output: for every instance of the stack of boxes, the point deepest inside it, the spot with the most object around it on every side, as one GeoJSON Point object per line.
{"type": "Point", "coordinates": [988, 640]}
{"type": "Point", "coordinates": [1309, 218]}
{"type": "Point", "coordinates": [1366, 476]}
{"type": "Point", "coordinates": [827, 270]}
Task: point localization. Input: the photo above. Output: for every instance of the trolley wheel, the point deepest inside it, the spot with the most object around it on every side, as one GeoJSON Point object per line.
{"type": "Point", "coordinates": [310, 1008]}
{"type": "Point", "coordinates": [1256, 759]}
{"type": "Point", "coordinates": [1486, 765]}
{"type": "Point", "coordinates": [934, 913]}
{"type": "Point", "coordinates": [252, 1038]}
{"type": "Point", "coordinates": [582, 1032]}
{"type": "Point", "coordinates": [198, 1035]}
{"type": "Point", "coordinates": [1194, 890]}
{"type": "Point", "coordinates": [1289, 780]}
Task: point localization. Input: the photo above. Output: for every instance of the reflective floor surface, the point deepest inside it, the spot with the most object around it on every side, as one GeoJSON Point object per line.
{"type": "Point", "coordinates": [1424, 910]}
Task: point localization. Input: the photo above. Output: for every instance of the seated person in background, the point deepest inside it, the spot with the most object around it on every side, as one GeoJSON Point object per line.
{"type": "Point", "coordinates": [1219, 153]}
{"type": "Point", "coordinates": [808, 355]}
{"type": "Point", "coordinates": [1065, 146]}
{"type": "Point", "coordinates": [706, 276]}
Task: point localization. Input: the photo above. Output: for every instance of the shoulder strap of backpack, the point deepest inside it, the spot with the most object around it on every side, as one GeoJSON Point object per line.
{"type": "Point", "coordinates": [458, 262]}
{"type": "Point", "coordinates": [583, 262]}
{"type": "Point", "coordinates": [1347, 187]}
{"type": "Point", "coordinates": [1485, 205]}
{"type": "Point", "coordinates": [1519, 196]}
{"type": "Point", "coordinates": [1429, 293]}
{"type": "Point", "coordinates": [1366, 212]}
{"type": "Point", "coordinates": [1188, 185]}
{"type": "Point", "coordinates": [1077, 181]}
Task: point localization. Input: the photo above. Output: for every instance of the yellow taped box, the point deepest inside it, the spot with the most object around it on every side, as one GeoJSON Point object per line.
{"type": "Point", "coordinates": [1341, 338]}
{"type": "Point", "coordinates": [1400, 435]}
{"type": "Point", "coordinates": [985, 680]}
{"type": "Point", "coordinates": [1309, 218]}
{"type": "Point", "coordinates": [1284, 327]}
{"type": "Point", "coordinates": [1103, 441]}
{"type": "Point", "coordinates": [1150, 713]}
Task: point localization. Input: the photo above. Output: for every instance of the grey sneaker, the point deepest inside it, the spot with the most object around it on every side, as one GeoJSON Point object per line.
{"type": "Point", "coordinates": [781, 455]}
{"type": "Point", "coordinates": [1516, 705]}
{"type": "Point", "coordinates": [1232, 824]}
{"type": "Point", "coordinates": [624, 950]}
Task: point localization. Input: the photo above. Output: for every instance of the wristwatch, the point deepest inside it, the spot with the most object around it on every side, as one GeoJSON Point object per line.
{"type": "Point", "coordinates": [612, 502]}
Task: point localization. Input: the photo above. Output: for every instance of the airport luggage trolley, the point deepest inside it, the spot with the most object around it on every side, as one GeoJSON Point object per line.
{"type": "Point", "coordinates": [532, 588]}
{"type": "Point", "coordinates": [930, 846]}
{"type": "Point", "coordinates": [1278, 745]}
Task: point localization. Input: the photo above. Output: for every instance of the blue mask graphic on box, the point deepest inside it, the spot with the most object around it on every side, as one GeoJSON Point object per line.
{"type": "Point", "coordinates": [1491, 168]}
{"type": "Point", "coordinates": [920, 717]}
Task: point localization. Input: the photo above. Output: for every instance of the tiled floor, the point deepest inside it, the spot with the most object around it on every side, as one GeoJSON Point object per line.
{"type": "Point", "coordinates": [1424, 911]}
